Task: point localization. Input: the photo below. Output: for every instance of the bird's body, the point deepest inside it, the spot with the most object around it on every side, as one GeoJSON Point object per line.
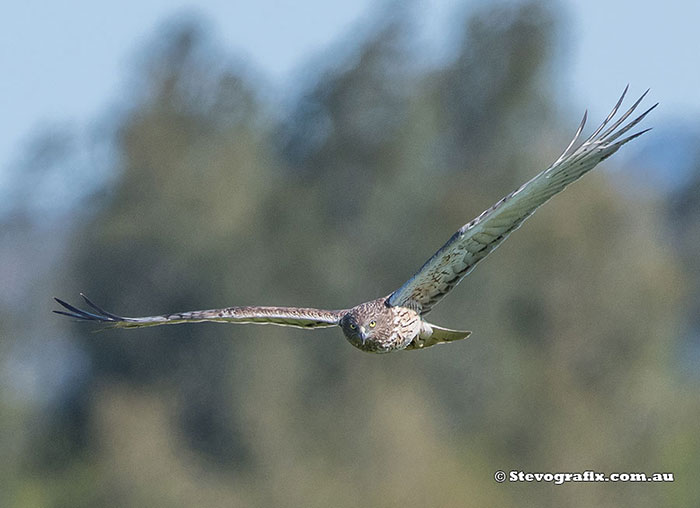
{"type": "Point", "coordinates": [377, 327]}
{"type": "Point", "coordinates": [396, 322]}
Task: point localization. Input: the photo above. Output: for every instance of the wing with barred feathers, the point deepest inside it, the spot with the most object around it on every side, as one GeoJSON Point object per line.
{"type": "Point", "coordinates": [475, 240]}
{"type": "Point", "coordinates": [283, 316]}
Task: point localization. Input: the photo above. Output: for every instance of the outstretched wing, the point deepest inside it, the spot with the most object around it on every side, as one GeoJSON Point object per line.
{"type": "Point", "coordinates": [283, 316]}
{"type": "Point", "coordinates": [475, 240]}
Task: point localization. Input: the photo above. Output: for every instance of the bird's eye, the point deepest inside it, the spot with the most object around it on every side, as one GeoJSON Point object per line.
{"type": "Point", "coordinates": [372, 324]}
{"type": "Point", "coordinates": [353, 326]}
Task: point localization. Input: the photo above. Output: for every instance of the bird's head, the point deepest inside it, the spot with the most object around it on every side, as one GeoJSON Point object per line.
{"type": "Point", "coordinates": [358, 329]}
{"type": "Point", "coordinates": [365, 325]}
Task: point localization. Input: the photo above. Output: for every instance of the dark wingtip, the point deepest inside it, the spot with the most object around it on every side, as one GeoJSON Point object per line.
{"type": "Point", "coordinates": [636, 135]}
{"type": "Point", "coordinates": [73, 315]}
{"type": "Point", "coordinates": [77, 313]}
{"type": "Point", "coordinates": [66, 314]}
{"type": "Point", "coordinates": [101, 310]}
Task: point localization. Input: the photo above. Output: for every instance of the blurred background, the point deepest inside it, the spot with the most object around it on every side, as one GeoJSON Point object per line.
{"type": "Point", "coordinates": [173, 157]}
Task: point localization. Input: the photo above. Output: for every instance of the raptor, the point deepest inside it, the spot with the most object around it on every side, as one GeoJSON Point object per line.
{"type": "Point", "coordinates": [396, 322]}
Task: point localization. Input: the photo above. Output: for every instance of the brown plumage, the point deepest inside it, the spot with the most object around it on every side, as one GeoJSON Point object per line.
{"type": "Point", "coordinates": [395, 322]}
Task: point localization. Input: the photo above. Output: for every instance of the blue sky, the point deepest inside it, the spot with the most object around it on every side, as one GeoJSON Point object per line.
{"type": "Point", "coordinates": [66, 62]}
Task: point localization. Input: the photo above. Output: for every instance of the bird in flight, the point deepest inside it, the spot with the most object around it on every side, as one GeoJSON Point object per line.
{"type": "Point", "coordinates": [396, 322]}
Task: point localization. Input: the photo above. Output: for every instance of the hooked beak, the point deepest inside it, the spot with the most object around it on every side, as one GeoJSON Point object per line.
{"type": "Point", "coordinates": [363, 334]}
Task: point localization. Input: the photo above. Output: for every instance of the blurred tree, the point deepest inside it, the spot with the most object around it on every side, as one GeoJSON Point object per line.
{"type": "Point", "coordinates": [684, 218]}
{"type": "Point", "coordinates": [194, 173]}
